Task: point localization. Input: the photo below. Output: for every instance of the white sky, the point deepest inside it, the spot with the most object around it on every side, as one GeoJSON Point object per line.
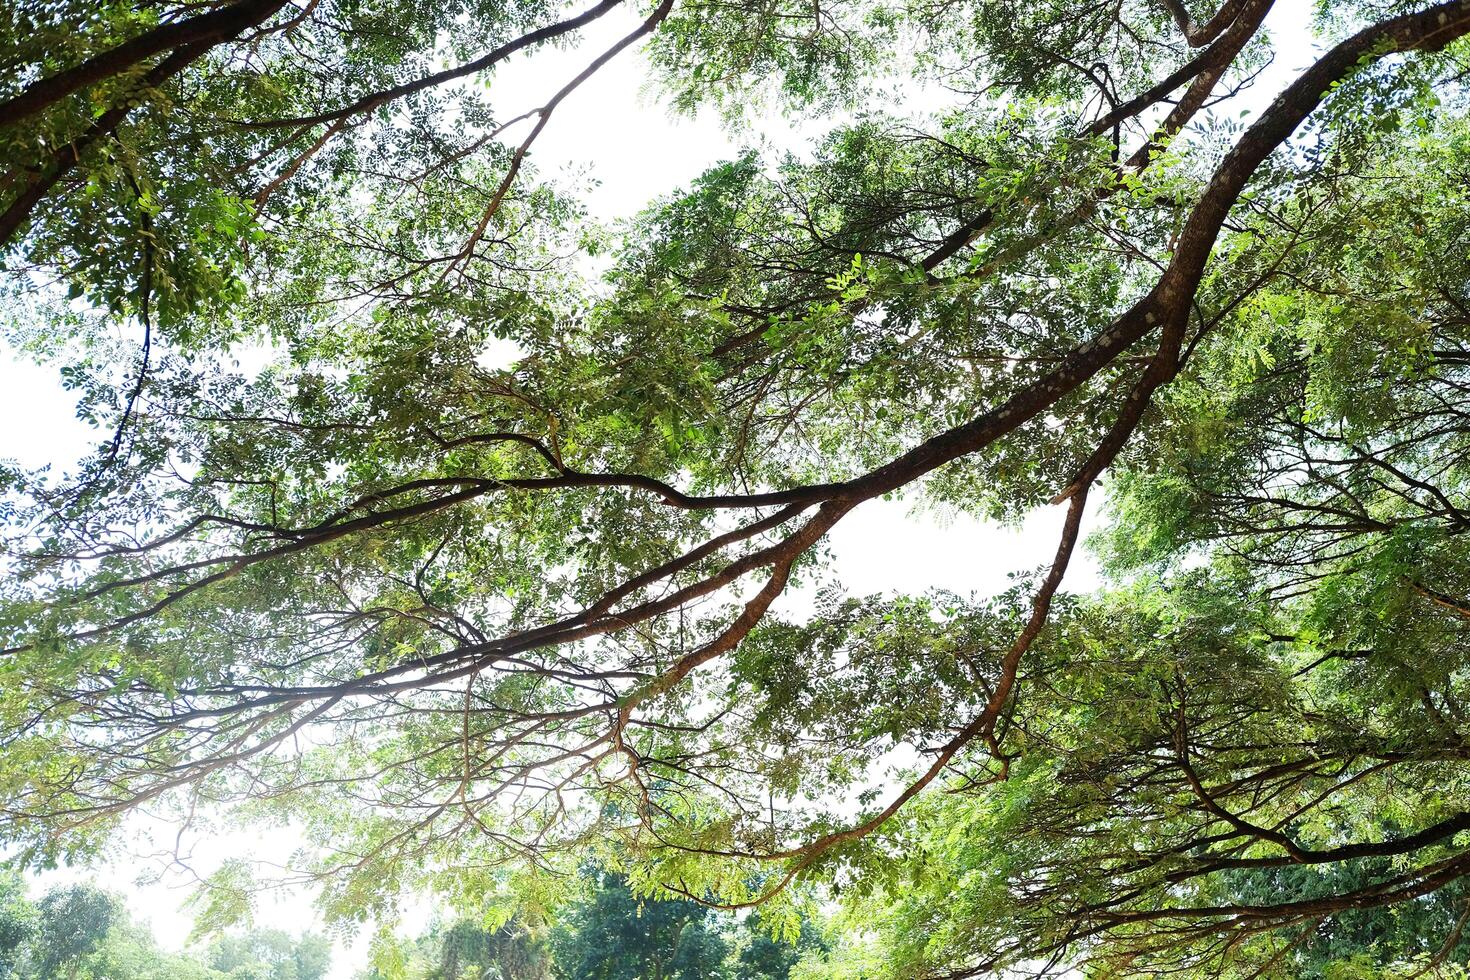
{"type": "Point", "coordinates": [638, 151]}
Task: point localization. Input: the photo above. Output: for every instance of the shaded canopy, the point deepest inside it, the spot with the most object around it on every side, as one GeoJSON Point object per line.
{"type": "Point", "coordinates": [472, 620]}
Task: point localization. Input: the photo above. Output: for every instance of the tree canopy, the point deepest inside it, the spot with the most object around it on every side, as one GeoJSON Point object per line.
{"type": "Point", "coordinates": [482, 541]}
{"type": "Point", "coordinates": [79, 932]}
{"type": "Point", "coordinates": [606, 932]}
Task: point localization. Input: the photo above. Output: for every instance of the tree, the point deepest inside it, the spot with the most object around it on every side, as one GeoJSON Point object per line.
{"type": "Point", "coordinates": [468, 949]}
{"type": "Point", "coordinates": [271, 954]}
{"type": "Point", "coordinates": [129, 952]}
{"type": "Point", "coordinates": [83, 933]}
{"type": "Point", "coordinates": [615, 935]}
{"type": "Point", "coordinates": [509, 952]}
{"type": "Point", "coordinates": [762, 955]}
{"type": "Point", "coordinates": [610, 932]}
{"type": "Point", "coordinates": [17, 921]}
{"type": "Point", "coordinates": [72, 922]}
{"type": "Point", "coordinates": [474, 624]}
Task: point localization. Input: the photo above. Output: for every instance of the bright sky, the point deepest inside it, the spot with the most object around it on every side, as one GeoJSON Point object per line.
{"type": "Point", "coordinates": [637, 150]}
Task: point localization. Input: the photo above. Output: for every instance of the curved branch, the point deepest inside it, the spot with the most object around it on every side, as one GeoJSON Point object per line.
{"type": "Point", "coordinates": [205, 31]}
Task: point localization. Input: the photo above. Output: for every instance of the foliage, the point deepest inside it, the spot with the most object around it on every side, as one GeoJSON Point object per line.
{"type": "Point", "coordinates": [272, 954]}
{"type": "Point", "coordinates": [72, 924]}
{"type": "Point", "coordinates": [79, 932]}
{"type": "Point", "coordinates": [17, 921]}
{"type": "Point", "coordinates": [611, 933]}
{"type": "Point", "coordinates": [489, 545]}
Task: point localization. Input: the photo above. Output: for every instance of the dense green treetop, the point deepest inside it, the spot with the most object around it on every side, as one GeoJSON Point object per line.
{"type": "Point", "coordinates": [79, 932]}
{"type": "Point", "coordinates": [614, 935]}
{"type": "Point", "coordinates": [605, 932]}
{"type": "Point", "coordinates": [512, 558]}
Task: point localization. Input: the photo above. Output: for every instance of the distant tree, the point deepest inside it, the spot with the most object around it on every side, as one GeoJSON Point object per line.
{"type": "Point", "coordinates": [271, 954]}
{"type": "Point", "coordinates": [616, 935]}
{"type": "Point", "coordinates": [611, 934]}
{"type": "Point", "coordinates": [769, 958]}
{"type": "Point", "coordinates": [130, 952]}
{"type": "Point", "coordinates": [17, 921]}
{"type": "Point", "coordinates": [79, 932]}
{"type": "Point", "coordinates": [467, 950]}
{"type": "Point", "coordinates": [470, 952]}
{"type": "Point", "coordinates": [73, 921]}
